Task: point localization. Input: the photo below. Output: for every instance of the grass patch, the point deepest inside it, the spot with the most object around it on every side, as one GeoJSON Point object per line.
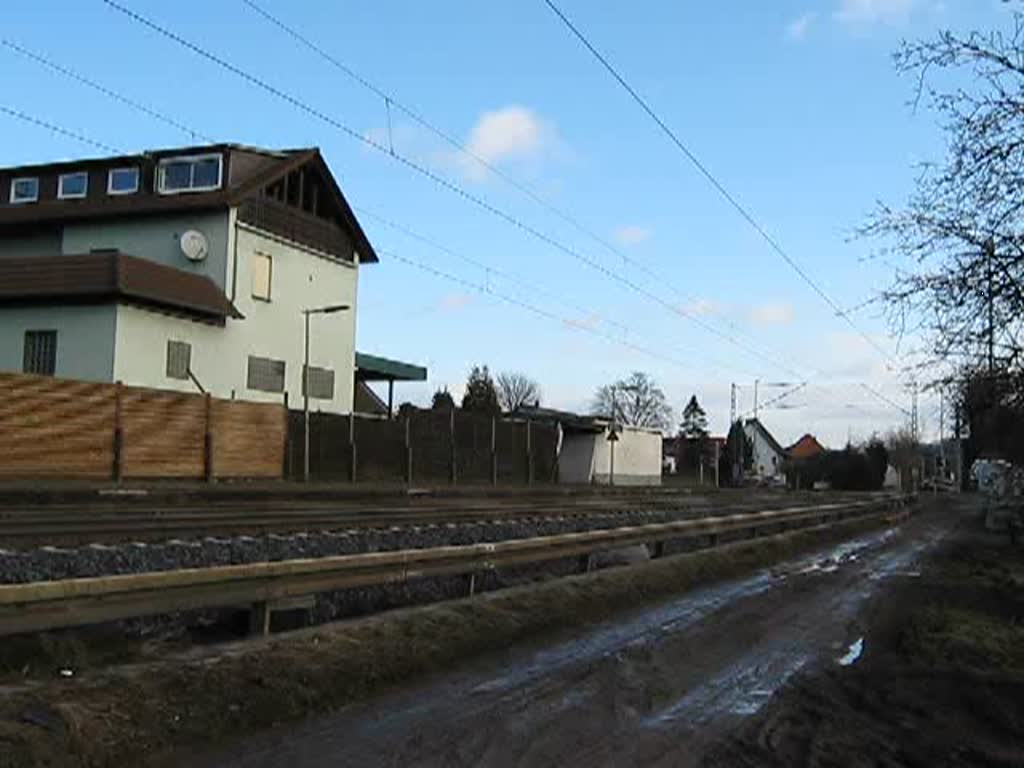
{"type": "Point", "coordinates": [123, 716]}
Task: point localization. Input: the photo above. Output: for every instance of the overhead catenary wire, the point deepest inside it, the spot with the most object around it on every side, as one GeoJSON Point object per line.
{"type": "Point", "coordinates": [715, 182]}
{"type": "Point", "coordinates": [529, 307]}
{"type": "Point", "coordinates": [391, 101]}
{"type": "Point", "coordinates": [109, 92]}
{"type": "Point", "coordinates": [433, 176]}
{"type": "Point", "coordinates": [54, 128]}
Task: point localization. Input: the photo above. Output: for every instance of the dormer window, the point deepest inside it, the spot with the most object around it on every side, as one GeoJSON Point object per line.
{"type": "Point", "coordinates": [25, 190]}
{"type": "Point", "coordinates": [123, 181]}
{"type": "Point", "coordinates": [197, 173]}
{"type": "Point", "coordinates": [72, 185]}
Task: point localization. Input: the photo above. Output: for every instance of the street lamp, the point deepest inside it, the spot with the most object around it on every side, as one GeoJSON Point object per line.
{"type": "Point", "coordinates": [329, 310]}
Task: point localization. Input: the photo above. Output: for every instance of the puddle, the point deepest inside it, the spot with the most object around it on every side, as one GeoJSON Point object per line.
{"type": "Point", "coordinates": [856, 649]}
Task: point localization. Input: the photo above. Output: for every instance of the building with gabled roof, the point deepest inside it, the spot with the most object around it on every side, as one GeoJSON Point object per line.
{"type": "Point", "coordinates": [768, 454]}
{"type": "Point", "coordinates": [807, 447]}
{"type": "Point", "coordinates": [187, 268]}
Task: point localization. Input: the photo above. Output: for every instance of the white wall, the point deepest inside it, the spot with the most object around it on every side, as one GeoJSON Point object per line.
{"type": "Point", "coordinates": [586, 458]}
{"type": "Point", "coordinates": [767, 461]}
{"type": "Point", "coordinates": [271, 329]}
{"type": "Point", "coordinates": [576, 458]}
{"type": "Point", "coordinates": [637, 457]}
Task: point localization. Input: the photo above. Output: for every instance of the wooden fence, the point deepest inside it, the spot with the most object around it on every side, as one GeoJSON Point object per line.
{"type": "Point", "coordinates": [424, 446]}
{"type": "Point", "coordinates": [74, 429]}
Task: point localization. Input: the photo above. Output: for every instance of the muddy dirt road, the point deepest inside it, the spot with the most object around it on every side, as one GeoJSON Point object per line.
{"type": "Point", "coordinates": [656, 688]}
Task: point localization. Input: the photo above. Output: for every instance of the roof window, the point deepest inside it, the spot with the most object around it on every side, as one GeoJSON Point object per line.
{"type": "Point", "coordinates": [25, 189]}
{"type": "Point", "coordinates": [72, 185]}
{"type": "Point", "coordinates": [123, 181]}
{"type": "Point", "coordinates": [198, 173]}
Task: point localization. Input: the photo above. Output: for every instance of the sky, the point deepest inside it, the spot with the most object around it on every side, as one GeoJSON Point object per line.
{"type": "Point", "coordinates": [631, 260]}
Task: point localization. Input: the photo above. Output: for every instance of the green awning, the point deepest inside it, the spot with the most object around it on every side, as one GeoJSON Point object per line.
{"type": "Point", "coordinates": [373, 368]}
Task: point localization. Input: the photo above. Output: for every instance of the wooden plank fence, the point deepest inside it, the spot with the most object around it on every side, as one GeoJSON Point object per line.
{"type": "Point", "coordinates": [63, 428]}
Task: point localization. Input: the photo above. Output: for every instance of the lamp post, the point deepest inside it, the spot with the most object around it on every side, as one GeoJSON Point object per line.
{"type": "Point", "coordinates": [329, 310]}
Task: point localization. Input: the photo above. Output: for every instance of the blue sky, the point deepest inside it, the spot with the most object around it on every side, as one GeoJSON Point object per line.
{"type": "Point", "coordinates": [793, 104]}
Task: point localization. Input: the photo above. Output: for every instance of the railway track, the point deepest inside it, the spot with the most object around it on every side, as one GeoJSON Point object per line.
{"type": "Point", "coordinates": [104, 523]}
{"type": "Point", "coordinates": [44, 605]}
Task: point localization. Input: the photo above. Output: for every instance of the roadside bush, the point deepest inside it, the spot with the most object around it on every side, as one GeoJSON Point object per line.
{"type": "Point", "coordinates": [851, 469]}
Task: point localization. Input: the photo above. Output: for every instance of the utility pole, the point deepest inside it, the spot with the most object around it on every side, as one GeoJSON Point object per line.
{"type": "Point", "coordinates": [990, 252]}
{"type": "Point", "coordinates": [305, 379]}
{"type": "Point", "coordinates": [942, 432]}
{"type": "Point", "coordinates": [732, 407]}
{"type": "Point", "coordinates": [756, 383]}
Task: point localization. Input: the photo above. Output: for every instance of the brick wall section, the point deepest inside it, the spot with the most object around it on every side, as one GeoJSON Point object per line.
{"type": "Point", "coordinates": [62, 428]}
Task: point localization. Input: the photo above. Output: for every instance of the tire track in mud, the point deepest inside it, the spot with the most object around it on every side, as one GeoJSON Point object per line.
{"type": "Point", "coordinates": [654, 688]}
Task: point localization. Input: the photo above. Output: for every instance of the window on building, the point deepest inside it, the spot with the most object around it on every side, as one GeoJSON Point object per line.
{"type": "Point", "coordinates": [320, 383]}
{"type": "Point", "coordinates": [262, 273]}
{"type": "Point", "coordinates": [123, 181]}
{"type": "Point", "coordinates": [189, 174]}
{"type": "Point", "coordinates": [179, 359]}
{"type": "Point", "coordinates": [72, 185]}
{"type": "Point", "coordinates": [40, 353]}
{"type": "Point", "coordinates": [265, 374]}
{"type": "Point", "coordinates": [24, 190]}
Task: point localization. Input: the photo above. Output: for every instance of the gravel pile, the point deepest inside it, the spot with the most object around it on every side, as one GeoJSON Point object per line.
{"type": "Point", "coordinates": [52, 563]}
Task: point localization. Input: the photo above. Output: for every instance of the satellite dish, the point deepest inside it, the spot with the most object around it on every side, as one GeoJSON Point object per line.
{"type": "Point", "coordinates": [193, 244]}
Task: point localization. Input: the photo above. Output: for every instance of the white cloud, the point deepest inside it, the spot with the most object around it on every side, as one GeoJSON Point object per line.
{"type": "Point", "coordinates": [631, 235]}
{"type": "Point", "coordinates": [771, 313]}
{"type": "Point", "coordinates": [512, 132]}
{"type": "Point", "coordinates": [453, 302]}
{"type": "Point", "coordinates": [585, 323]}
{"type": "Point", "coordinates": [797, 29]}
{"type": "Point", "coordinates": [701, 307]}
{"type": "Point", "coordinates": [874, 11]}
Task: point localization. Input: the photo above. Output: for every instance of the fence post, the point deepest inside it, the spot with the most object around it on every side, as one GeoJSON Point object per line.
{"type": "Point", "coordinates": [453, 469]}
{"type": "Point", "coordinates": [529, 454]}
{"type": "Point", "coordinates": [118, 468]}
{"type": "Point", "coordinates": [352, 446]}
{"type": "Point", "coordinates": [208, 469]}
{"type": "Point", "coordinates": [408, 452]}
{"type": "Point", "coordinates": [287, 437]}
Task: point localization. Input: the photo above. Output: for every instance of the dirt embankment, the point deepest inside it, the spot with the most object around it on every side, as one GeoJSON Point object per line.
{"type": "Point", "coordinates": [940, 682]}
{"type": "Point", "coordinates": [125, 716]}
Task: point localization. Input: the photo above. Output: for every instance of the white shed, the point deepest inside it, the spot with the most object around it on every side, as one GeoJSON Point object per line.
{"type": "Point", "coordinates": [586, 455]}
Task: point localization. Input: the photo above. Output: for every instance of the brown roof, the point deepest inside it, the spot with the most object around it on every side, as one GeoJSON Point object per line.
{"type": "Point", "coordinates": [246, 171]}
{"type": "Point", "coordinates": [103, 276]}
{"type": "Point", "coordinates": [806, 447]}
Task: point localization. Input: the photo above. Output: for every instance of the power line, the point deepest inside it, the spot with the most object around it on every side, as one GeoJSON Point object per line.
{"type": "Point", "coordinates": [67, 72]}
{"type": "Point", "coordinates": [391, 101]}
{"type": "Point", "coordinates": [540, 312]}
{"type": "Point", "coordinates": [712, 179]}
{"type": "Point", "coordinates": [58, 129]}
{"type": "Point", "coordinates": [532, 287]}
{"type": "Point", "coordinates": [426, 172]}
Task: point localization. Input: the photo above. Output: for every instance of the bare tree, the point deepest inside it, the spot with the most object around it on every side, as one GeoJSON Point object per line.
{"type": "Point", "coordinates": [516, 390]}
{"type": "Point", "coordinates": [636, 401]}
{"type": "Point", "coordinates": [961, 233]}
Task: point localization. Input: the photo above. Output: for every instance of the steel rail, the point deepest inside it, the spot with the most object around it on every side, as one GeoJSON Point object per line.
{"type": "Point", "coordinates": [38, 606]}
{"type": "Point", "coordinates": [82, 525]}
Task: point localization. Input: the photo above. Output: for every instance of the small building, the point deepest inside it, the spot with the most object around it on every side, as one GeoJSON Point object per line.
{"type": "Point", "coordinates": [191, 269]}
{"type": "Point", "coordinates": [807, 447]}
{"type": "Point", "coordinates": [767, 454]}
{"type": "Point", "coordinates": [589, 454]}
